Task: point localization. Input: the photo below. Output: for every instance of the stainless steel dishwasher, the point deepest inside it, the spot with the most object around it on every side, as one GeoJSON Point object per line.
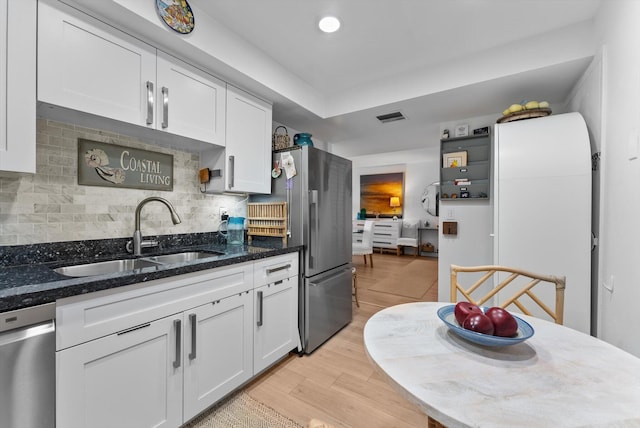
{"type": "Point", "coordinates": [27, 367]}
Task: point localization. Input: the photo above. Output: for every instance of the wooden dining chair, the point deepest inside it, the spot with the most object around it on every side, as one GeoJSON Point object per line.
{"type": "Point", "coordinates": [482, 291]}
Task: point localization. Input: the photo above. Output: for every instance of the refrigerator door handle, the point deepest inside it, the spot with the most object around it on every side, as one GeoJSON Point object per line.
{"type": "Point", "coordinates": [329, 277]}
{"type": "Point", "coordinates": [313, 243]}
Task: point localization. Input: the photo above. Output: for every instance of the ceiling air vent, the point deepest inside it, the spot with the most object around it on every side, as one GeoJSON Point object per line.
{"type": "Point", "coordinates": [391, 117]}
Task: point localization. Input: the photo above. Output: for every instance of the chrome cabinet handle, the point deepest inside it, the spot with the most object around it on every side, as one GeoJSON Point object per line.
{"type": "Point", "coordinates": [232, 162]}
{"type": "Point", "coordinates": [192, 320]}
{"type": "Point", "coordinates": [270, 271]}
{"type": "Point", "coordinates": [129, 330]}
{"type": "Point", "coordinates": [259, 323]}
{"type": "Point", "coordinates": [177, 324]}
{"type": "Point", "coordinates": [149, 102]}
{"type": "Point", "coordinates": [165, 107]}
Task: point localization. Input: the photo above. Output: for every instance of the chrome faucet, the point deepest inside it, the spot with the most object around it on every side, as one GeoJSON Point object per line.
{"type": "Point", "coordinates": [138, 243]}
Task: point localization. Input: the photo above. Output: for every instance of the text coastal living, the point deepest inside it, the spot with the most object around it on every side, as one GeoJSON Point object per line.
{"type": "Point", "coordinates": [150, 171]}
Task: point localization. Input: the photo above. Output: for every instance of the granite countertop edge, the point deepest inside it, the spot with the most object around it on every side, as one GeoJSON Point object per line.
{"type": "Point", "coordinates": [27, 285]}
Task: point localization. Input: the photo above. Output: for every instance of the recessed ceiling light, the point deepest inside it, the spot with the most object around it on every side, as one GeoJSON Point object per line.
{"type": "Point", "coordinates": [329, 24]}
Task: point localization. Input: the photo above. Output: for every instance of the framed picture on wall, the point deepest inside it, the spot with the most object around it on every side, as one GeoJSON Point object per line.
{"type": "Point", "coordinates": [454, 160]}
{"type": "Point", "coordinates": [382, 195]}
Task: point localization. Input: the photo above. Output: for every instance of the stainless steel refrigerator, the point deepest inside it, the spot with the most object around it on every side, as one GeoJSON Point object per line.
{"type": "Point", "coordinates": [319, 211]}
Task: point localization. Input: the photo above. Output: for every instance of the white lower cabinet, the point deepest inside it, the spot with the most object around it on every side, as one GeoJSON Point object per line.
{"type": "Point", "coordinates": [158, 354]}
{"type": "Point", "coordinates": [217, 351]}
{"type": "Point", "coordinates": [276, 322]}
{"type": "Point", "coordinates": [127, 379]}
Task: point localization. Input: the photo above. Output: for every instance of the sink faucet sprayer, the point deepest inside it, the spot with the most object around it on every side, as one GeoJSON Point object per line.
{"type": "Point", "coordinates": [138, 243]}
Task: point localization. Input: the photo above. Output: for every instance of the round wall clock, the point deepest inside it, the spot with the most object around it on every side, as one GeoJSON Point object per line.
{"type": "Point", "coordinates": [177, 14]}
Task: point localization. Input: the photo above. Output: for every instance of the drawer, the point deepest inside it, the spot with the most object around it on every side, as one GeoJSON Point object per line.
{"type": "Point", "coordinates": [272, 269]}
{"type": "Point", "coordinates": [90, 316]}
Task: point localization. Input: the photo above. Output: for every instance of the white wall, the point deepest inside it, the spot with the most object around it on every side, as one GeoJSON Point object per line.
{"type": "Point", "coordinates": [619, 288]}
{"type": "Point", "coordinates": [473, 244]}
{"type": "Point", "coordinates": [586, 98]}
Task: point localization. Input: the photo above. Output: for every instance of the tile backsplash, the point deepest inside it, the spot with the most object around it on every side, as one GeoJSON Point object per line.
{"type": "Point", "coordinates": [50, 206]}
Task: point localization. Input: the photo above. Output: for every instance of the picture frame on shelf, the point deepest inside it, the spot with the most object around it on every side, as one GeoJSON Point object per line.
{"type": "Point", "coordinates": [461, 130]}
{"type": "Point", "coordinates": [454, 159]}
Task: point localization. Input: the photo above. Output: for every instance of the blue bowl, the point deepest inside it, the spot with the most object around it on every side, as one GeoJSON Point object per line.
{"type": "Point", "coordinates": [447, 315]}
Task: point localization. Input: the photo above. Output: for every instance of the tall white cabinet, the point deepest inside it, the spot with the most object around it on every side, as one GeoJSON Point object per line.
{"type": "Point", "coordinates": [542, 205]}
{"type": "Point", "coordinates": [18, 20]}
{"type": "Point", "coordinates": [538, 216]}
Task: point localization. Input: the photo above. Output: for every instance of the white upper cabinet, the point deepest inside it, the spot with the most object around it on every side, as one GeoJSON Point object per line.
{"type": "Point", "coordinates": [17, 85]}
{"type": "Point", "coordinates": [190, 102]}
{"type": "Point", "coordinates": [86, 65]}
{"type": "Point", "coordinates": [248, 146]}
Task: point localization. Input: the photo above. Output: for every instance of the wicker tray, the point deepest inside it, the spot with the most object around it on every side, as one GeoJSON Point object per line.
{"type": "Point", "coordinates": [525, 114]}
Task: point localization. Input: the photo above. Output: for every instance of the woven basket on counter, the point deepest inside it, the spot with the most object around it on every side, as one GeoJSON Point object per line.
{"type": "Point", "coordinates": [279, 140]}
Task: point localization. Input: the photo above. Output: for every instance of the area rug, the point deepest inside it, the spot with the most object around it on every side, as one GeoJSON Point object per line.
{"type": "Point", "coordinates": [241, 411]}
{"type": "Point", "coordinates": [413, 280]}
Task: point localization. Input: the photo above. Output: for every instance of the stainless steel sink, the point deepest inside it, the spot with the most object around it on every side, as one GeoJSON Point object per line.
{"type": "Point", "coordinates": [103, 268]}
{"type": "Point", "coordinates": [124, 265]}
{"type": "Point", "coordinates": [183, 257]}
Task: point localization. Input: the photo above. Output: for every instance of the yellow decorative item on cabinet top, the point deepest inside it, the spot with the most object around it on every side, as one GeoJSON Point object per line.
{"type": "Point", "coordinates": [267, 219]}
{"type": "Point", "coordinates": [525, 110]}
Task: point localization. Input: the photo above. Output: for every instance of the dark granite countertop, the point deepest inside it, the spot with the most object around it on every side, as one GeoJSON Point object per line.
{"type": "Point", "coordinates": [27, 277]}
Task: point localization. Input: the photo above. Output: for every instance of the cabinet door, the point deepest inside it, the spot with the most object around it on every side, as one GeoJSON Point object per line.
{"type": "Point", "coordinates": [248, 153]}
{"type": "Point", "coordinates": [86, 65]}
{"type": "Point", "coordinates": [220, 358]}
{"type": "Point", "coordinates": [190, 102]}
{"type": "Point", "coordinates": [129, 379]}
{"type": "Point", "coordinates": [276, 322]}
{"type": "Point", "coordinates": [17, 89]}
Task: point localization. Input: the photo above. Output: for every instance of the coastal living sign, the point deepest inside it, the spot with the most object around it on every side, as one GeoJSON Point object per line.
{"type": "Point", "coordinates": [110, 165]}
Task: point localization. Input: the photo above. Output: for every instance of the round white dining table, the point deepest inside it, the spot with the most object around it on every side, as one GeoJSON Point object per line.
{"type": "Point", "coordinates": [559, 377]}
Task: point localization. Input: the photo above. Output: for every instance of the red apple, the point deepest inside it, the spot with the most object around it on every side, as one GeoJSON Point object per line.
{"type": "Point", "coordinates": [504, 323]}
{"type": "Point", "coordinates": [463, 309]}
{"type": "Point", "coordinates": [479, 323]}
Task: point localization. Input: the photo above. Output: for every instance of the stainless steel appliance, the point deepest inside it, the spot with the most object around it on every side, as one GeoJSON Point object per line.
{"type": "Point", "coordinates": [27, 367]}
{"type": "Point", "coordinates": [319, 209]}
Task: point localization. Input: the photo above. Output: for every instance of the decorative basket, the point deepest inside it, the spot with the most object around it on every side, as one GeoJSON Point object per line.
{"type": "Point", "coordinates": [524, 114]}
{"type": "Point", "coordinates": [280, 141]}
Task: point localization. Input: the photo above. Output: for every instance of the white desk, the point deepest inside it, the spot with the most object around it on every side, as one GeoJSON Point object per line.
{"type": "Point", "coordinates": [559, 377]}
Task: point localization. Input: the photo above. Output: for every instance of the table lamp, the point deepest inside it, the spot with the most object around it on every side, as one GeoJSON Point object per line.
{"type": "Point", "coordinates": [394, 202]}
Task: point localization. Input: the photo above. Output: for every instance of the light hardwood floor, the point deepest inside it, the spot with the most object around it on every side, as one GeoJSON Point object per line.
{"type": "Point", "coordinates": [337, 383]}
